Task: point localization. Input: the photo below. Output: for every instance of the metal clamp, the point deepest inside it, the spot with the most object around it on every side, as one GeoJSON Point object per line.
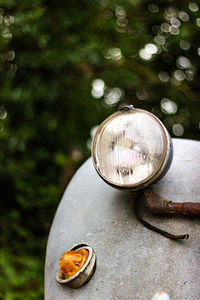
{"type": "Point", "coordinates": [126, 107]}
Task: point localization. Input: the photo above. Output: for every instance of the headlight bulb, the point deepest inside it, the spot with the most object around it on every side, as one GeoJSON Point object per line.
{"type": "Point", "coordinates": [131, 149]}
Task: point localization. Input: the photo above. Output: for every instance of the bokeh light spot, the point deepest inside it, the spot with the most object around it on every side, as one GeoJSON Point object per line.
{"type": "Point", "coordinates": [178, 129]}
{"type": "Point", "coordinates": [10, 55]}
{"type": "Point", "coordinates": [120, 12]}
{"type": "Point", "coordinates": [198, 22]}
{"type": "Point", "coordinates": [159, 39]}
{"type": "Point", "coordinates": [184, 16]}
{"type": "Point", "coordinates": [7, 35]}
{"type": "Point", "coordinates": [113, 96]}
{"type": "Point", "coordinates": [175, 22]}
{"type": "Point", "coordinates": [98, 87]}
{"type": "Point", "coordinates": [3, 113]}
{"type": "Point", "coordinates": [8, 20]}
{"type": "Point", "coordinates": [193, 6]}
{"type": "Point", "coordinates": [142, 94]}
{"type": "Point", "coordinates": [77, 155]}
{"type": "Point", "coordinates": [96, 94]}
{"type": "Point", "coordinates": [165, 27]}
{"type": "Point", "coordinates": [189, 74]}
{"type": "Point", "coordinates": [98, 84]}
{"type": "Point", "coordinates": [114, 54]}
{"type": "Point", "coordinates": [163, 76]}
{"type": "Point", "coordinates": [170, 12]}
{"type": "Point", "coordinates": [151, 48]}
{"type": "Point", "coordinates": [179, 75]}
{"type": "Point", "coordinates": [168, 106]}
{"type": "Point", "coordinates": [144, 54]}
{"type": "Point", "coordinates": [122, 22]}
{"type": "Point", "coordinates": [183, 62]}
{"type": "Point", "coordinates": [184, 45]}
{"type": "Point", "coordinates": [153, 8]}
{"type": "Point", "coordinates": [174, 30]}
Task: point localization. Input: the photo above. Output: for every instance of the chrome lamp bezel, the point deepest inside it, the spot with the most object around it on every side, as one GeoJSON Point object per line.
{"type": "Point", "coordinates": [166, 159]}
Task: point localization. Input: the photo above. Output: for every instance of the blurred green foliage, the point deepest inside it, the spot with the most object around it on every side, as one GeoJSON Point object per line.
{"type": "Point", "coordinates": [51, 54]}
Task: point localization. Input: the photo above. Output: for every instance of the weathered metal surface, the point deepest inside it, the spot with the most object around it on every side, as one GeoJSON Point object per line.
{"type": "Point", "coordinates": [133, 263]}
{"type": "Point", "coordinates": [185, 208]}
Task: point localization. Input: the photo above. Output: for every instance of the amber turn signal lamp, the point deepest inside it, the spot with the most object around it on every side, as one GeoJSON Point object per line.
{"type": "Point", "coordinates": [76, 266]}
{"type": "Point", "coordinates": [72, 261]}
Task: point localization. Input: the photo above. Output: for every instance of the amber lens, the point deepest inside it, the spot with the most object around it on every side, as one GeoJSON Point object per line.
{"type": "Point", "coordinates": [72, 261]}
{"type": "Point", "coordinates": [128, 148]}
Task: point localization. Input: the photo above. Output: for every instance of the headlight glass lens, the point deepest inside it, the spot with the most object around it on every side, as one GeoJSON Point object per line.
{"type": "Point", "coordinates": [128, 147]}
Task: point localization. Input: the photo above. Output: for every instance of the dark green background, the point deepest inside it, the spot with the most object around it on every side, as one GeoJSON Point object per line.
{"type": "Point", "coordinates": [50, 54]}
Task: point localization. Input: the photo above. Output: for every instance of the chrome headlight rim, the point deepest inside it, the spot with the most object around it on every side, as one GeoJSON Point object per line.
{"type": "Point", "coordinates": [165, 161]}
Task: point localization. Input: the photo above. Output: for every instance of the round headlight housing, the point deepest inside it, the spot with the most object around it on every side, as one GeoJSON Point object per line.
{"type": "Point", "coordinates": [131, 149]}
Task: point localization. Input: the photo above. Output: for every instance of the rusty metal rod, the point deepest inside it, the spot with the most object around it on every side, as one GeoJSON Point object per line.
{"type": "Point", "coordinates": [159, 205]}
{"type": "Point", "coordinates": [156, 229]}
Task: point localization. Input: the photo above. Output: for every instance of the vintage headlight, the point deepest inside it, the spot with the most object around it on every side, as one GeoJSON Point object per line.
{"type": "Point", "coordinates": [131, 149]}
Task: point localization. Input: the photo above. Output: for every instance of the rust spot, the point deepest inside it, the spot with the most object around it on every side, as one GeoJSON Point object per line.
{"type": "Point", "coordinates": [155, 202]}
